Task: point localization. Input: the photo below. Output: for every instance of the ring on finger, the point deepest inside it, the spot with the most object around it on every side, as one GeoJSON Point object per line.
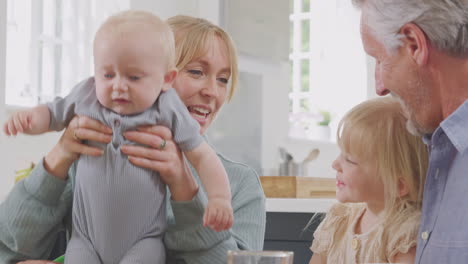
{"type": "Point", "coordinates": [162, 145]}
{"type": "Point", "coordinates": [75, 136]}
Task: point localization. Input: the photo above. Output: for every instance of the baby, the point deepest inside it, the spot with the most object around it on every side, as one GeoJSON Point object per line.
{"type": "Point", "coordinates": [119, 212]}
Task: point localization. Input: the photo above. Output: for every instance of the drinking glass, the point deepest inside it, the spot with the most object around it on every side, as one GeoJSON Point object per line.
{"type": "Point", "coordinates": [259, 257]}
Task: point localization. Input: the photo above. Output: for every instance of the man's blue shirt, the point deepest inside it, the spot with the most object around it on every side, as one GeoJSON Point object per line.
{"type": "Point", "coordinates": [443, 233]}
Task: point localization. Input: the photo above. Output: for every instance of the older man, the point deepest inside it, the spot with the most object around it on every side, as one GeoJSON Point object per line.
{"type": "Point", "coordinates": [421, 52]}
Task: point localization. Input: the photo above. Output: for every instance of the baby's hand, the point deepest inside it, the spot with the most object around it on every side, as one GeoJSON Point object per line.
{"type": "Point", "coordinates": [218, 214]}
{"type": "Point", "coordinates": [19, 122]}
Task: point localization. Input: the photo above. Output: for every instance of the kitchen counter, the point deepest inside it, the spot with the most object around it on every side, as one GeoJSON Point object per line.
{"type": "Point", "coordinates": [299, 205]}
{"type": "Point", "coordinates": [289, 205]}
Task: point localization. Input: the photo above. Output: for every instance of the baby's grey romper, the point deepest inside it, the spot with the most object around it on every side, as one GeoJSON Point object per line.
{"type": "Point", "coordinates": [119, 212]}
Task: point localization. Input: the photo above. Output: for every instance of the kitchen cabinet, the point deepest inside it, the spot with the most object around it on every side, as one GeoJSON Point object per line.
{"type": "Point", "coordinates": [286, 221]}
{"type": "Point", "coordinates": [286, 231]}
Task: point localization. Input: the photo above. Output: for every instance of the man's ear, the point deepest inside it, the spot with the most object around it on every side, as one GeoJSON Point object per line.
{"type": "Point", "coordinates": [402, 188]}
{"type": "Point", "coordinates": [169, 78]}
{"type": "Point", "coordinates": [415, 43]}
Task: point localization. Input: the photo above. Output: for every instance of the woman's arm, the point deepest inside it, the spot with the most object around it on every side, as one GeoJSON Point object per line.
{"type": "Point", "coordinates": [36, 208]}
{"type": "Point", "coordinates": [32, 215]}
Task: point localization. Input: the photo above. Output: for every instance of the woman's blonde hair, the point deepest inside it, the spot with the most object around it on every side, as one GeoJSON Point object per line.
{"type": "Point", "coordinates": [129, 21]}
{"type": "Point", "coordinates": [375, 132]}
{"type": "Point", "coordinates": [192, 39]}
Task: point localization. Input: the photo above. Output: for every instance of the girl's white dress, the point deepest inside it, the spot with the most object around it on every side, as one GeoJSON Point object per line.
{"type": "Point", "coordinates": [336, 238]}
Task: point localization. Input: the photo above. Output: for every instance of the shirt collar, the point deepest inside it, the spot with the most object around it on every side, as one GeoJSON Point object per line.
{"type": "Point", "coordinates": [455, 127]}
{"type": "Point", "coordinates": [427, 139]}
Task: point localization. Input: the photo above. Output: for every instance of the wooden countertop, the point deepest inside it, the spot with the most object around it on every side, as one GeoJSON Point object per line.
{"type": "Point", "coordinates": [298, 187]}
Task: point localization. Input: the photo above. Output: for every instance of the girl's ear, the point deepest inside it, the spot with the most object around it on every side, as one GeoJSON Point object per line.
{"type": "Point", "coordinates": [402, 188]}
{"type": "Point", "coordinates": [169, 78]}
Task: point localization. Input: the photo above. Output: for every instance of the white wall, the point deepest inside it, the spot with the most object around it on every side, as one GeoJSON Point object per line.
{"type": "Point", "coordinates": [262, 30]}
{"type": "Point", "coordinates": [18, 152]}
{"type": "Point", "coordinates": [208, 9]}
{"type": "Point", "coordinates": [2, 57]}
{"type": "Point", "coordinates": [3, 181]}
{"type": "Point", "coordinates": [274, 106]}
{"type": "Point", "coordinates": [370, 77]}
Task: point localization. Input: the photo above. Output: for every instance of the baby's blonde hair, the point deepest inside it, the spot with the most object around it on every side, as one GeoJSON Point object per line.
{"type": "Point", "coordinates": [133, 20]}
{"type": "Point", "coordinates": [192, 38]}
{"type": "Point", "coordinates": [375, 132]}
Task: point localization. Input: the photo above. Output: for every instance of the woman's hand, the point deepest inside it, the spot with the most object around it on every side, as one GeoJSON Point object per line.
{"type": "Point", "coordinates": [70, 145]}
{"type": "Point", "coordinates": [161, 154]}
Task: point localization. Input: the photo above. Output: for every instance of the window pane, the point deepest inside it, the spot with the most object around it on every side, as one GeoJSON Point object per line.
{"type": "Point", "coordinates": [305, 36]}
{"type": "Point", "coordinates": [47, 73]}
{"type": "Point", "coordinates": [317, 58]}
{"type": "Point", "coordinates": [48, 14]}
{"type": "Point", "coordinates": [49, 46]}
{"type": "Point", "coordinates": [305, 76]}
{"type": "Point", "coordinates": [305, 105]}
{"type": "Point", "coordinates": [291, 37]}
{"type": "Point", "coordinates": [291, 76]}
{"type": "Point", "coordinates": [18, 40]}
{"type": "Point", "coordinates": [305, 5]}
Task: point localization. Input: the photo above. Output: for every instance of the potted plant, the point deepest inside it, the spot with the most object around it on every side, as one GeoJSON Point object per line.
{"type": "Point", "coordinates": [326, 118]}
{"type": "Point", "coordinates": [323, 126]}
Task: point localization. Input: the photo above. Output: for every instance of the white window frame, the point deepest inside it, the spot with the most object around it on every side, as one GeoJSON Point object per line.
{"type": "Point", "coordinates": [71, 36]}
{"type": "Point", "coordinates": [297, 17]}
{"type": "Point", "coordinates": [330, 23]}
{"type": "Point", "coordinates": [75, 22]}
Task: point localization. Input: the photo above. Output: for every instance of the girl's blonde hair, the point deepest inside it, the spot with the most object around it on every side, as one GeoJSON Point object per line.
{"type": "Point", "coordinates": [192, 39]}
{"type": "Point", "coordinates": [375, 132]}
{"type": "Point", "coordinates": [129, 21]}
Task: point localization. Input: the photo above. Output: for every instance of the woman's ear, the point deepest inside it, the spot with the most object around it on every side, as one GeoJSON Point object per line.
{"type": "Point", "coordinates": [169, 78]}
{"type": "Point", "coordinates": [402, 188]}
{"type": "Point", "coordinates": [415, 43]}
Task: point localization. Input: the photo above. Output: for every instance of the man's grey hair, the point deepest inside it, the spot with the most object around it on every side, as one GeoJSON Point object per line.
{"type": "Point", "coordinates": [445, 22]}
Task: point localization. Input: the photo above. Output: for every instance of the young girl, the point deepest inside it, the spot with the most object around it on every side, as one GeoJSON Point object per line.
{"type": "Point", "coordinates": [380, 177]}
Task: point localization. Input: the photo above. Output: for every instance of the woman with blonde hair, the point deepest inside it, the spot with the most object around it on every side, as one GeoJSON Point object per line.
{"type": "Point", "coordinates": [380, 176]}
{"type": "Point", "coordinates": [39, 207]}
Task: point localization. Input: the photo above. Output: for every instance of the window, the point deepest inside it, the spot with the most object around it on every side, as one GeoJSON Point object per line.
{"type": "Point", "coordinates": [49, 46]}
{"type": "Point", "coordinates": [328, 64]}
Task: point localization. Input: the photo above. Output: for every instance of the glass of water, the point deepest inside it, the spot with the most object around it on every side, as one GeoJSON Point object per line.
{"type": "Point", "coordinates": [259, 257]}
